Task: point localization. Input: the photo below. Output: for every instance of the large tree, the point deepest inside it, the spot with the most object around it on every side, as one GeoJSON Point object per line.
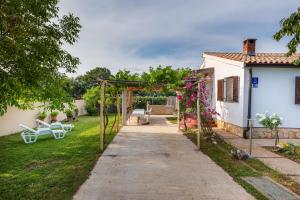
{"type": "Point", "coordinates": [290, 27]}
{"type": "Point", "coordinates": [90, 78]}
{"type": "Point", "coordinates": [32, 60]}
{"type": "Point", "coordinates": [78, 86]}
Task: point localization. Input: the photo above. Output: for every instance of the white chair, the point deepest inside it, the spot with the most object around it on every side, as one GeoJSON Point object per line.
{"type": "Point", "coordinates": [55, 125]}
{"type": "Point", "coordinates": [148, 115]}
{"type": "Point", "coordinates": [30, 135]}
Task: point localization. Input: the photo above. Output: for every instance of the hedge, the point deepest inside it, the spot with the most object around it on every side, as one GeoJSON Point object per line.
{"type": "Point", "coordinates": [141, 101]}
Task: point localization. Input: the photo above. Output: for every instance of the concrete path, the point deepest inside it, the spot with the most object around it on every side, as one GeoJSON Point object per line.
{"type": "Point", "coordinates": [273, 160]}
{"type": "Point", "coordinates": [157, 162]}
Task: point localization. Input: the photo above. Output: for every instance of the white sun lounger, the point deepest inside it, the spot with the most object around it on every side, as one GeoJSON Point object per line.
{"type": "Point", "coordinates": [55, 125]}
{"type": "Point", "coordinates": [30, 135]}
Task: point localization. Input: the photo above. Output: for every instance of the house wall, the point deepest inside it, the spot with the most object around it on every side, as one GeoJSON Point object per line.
{"type": "Point", "coordinates": [276, 94]}
{"type": "Point", "coordinates": [9, 122]}
{"type": "Point", "coordinates": [231, 113]}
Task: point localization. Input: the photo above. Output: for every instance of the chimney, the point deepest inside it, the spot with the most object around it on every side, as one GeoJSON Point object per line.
{"type": "Point", "coordinates": [249, 47]}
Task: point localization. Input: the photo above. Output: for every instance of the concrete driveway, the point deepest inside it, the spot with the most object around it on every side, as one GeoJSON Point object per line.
{"type": "Point", "coordinates": [157, 162]}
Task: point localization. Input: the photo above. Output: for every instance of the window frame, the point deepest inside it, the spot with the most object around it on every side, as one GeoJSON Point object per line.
{"type": "Point", "coordinates": [235, 89]}
{"type": "Point", "coordinates": [297, 90]}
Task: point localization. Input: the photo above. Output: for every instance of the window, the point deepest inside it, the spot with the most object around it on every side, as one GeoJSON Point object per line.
{"type": "Point", "coordinates": [297, 90]}
{"type": "Point", "coordinates": [220, 90]}
{"type": "Point", "coordinates": [228, 89]}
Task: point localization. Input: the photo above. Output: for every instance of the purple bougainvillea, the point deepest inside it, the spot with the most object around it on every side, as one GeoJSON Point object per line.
{"type": "Point", "coordinates": [188, 97]}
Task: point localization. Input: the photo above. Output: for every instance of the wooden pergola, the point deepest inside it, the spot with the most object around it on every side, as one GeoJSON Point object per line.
{"type": "Point", "coordinates": [127, 98]}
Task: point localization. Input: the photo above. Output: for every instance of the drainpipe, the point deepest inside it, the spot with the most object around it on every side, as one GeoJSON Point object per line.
{"type": "Point", "coordinates": [249, 104]}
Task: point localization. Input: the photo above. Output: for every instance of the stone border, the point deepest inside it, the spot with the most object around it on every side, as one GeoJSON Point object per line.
{"type": "Point", "coordinates": [260, 133]}
{"type": "Point", "coordinates": [237, 130]}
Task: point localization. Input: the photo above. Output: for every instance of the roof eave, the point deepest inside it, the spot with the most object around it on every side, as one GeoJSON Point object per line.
{"type": "Point", "coordinates": [273, 65]}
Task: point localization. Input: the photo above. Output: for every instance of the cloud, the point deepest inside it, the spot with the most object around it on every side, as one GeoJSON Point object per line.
{"type": "Point", "coordinates": [136, 34]}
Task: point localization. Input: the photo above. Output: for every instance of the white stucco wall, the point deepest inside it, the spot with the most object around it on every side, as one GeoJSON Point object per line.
{"type": "Point", "coordinates": [9, 122]}
{"type": "Point", "coordinates": [276, 94]}
{"type": "Point", "coordinates": [231, 112]}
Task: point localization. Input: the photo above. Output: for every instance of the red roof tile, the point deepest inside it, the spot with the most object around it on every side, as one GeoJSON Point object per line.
{"type": "Point", "coordinates": [259, 58]}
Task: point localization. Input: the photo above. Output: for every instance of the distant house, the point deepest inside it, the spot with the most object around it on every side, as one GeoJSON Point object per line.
{"type": "Point", "coordinates": [247, 83]}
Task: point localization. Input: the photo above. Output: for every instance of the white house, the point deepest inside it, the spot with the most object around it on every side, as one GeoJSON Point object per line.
{"type": "Point", "coordinates": [248, 83]}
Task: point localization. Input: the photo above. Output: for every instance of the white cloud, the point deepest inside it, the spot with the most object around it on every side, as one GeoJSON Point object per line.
{"type": "Point", "coordinates": [137, 34]}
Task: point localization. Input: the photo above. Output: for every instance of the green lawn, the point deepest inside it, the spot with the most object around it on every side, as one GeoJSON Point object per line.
{"type": "Point", "coordinates": [49, 168]}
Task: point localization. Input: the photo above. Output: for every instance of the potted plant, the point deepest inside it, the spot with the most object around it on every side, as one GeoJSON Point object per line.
{"type": "Point", "coordinates": [53, 115]}
{"type": "Point", "coordinates": [69, 114]}
{"type": "Point", "coordinates": [271, 122]}
{"type": "Point", "coordinates": [42, 115]}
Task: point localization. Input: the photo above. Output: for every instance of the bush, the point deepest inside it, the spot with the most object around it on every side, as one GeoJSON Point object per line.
{"type": "Point", "coordinates": [69, 113]}
{"type": "Point", "coordinates": [42, 115]}
{"type": "Point", "coordinates": [76, 112]}
{"type": "Point", "coordinates": [141, 101]}
{"type": "Point", "coordinates": [91, 98]}
{"type": "Point", "coordinates": [92, 110]}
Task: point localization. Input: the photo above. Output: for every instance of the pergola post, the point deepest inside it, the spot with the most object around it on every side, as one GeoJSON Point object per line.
{"type": "Point", "coordinates": [178, 113]}
{"type": "Point", "coordinates": [124, 107]}
{"type": "Point", "coordinates": [198, 118]}
{"type": "Point", "coordinates": [102, 100]}
{"type": "Point", "coordinates": [118, 112]}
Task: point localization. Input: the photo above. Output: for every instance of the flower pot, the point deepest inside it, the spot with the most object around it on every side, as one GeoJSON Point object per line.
{"type": "Point", "coordinates": [53, 118]}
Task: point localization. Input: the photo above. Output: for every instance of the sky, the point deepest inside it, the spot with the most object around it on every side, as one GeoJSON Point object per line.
{"type": "Point", "coordinates": [137, 34]}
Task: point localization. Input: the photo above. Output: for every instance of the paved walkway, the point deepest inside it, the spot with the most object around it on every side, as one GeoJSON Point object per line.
{"type": "Point", "coordinates": [273, 160]}
{"type": "Point", "coordinates": [157, 162]}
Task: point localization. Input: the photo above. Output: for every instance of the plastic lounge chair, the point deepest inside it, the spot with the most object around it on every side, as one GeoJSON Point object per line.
{"type": "Point", "coordinates": [30, 135]}
{"type": "Point", "coordinates": [55, 125]}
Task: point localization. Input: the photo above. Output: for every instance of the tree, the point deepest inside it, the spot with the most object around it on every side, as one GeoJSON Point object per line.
{"type": "Point", "coordinates": [126, 75]}
{"type": "Point", "coordinates": [32, 60]}
{"type": "Point", "coordinates": [78, 86]}
{"type": "Point", "coordinates": [90, 78]}
{"type": "Point", "coordinates": [74, 87]}
{"type": "Point", "coordinates": [290, 27]}
{"type": "Point", "coordinates": [167, 77]}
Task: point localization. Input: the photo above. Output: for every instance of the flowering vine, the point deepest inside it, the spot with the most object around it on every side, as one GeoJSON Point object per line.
{"type": "Point", "coordinates": [188, 97]}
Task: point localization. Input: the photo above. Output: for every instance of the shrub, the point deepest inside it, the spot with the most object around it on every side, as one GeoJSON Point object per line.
{"type": "Point", "coordinates": [141, 101]}
{"type": "Point", "coordinates": [91, 98]}
{"type": "Point", "coordinates": [92, 110]}
{"type": "Point", "coordinates": [42, 115]}
{"type": "Point", "coordinates": [76, 112]}
{"type": "Point", "coordinates": [69, 113]}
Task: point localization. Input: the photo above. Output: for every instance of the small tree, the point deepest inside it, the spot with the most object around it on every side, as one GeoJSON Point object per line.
{"type": "Point", "coordinates": [271, 122]}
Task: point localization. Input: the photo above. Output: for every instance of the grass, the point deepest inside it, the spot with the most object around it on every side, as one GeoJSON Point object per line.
{"type": "Point", "coordinates": [237, 169]}
{"type": "Point", "coordinates": [173, 120]}
{"type": "Point", "coordinates": [49, 168]}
